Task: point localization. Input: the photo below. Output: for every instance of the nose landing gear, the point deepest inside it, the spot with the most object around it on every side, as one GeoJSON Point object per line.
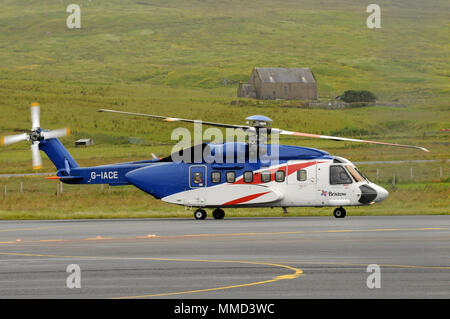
{"type": "Point", "coordinates": [339, 212]}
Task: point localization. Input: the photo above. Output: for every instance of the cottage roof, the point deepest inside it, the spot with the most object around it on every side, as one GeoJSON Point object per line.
{"type": "Point", "coordinates": [286, 75]}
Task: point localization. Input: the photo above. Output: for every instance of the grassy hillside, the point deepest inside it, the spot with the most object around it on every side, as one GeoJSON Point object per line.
{"type": "Point", "coordinates": [185, 58]}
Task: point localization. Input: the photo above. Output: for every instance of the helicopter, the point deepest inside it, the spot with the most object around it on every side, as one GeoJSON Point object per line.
{"type": "Point", "coordinates": [251, 173]}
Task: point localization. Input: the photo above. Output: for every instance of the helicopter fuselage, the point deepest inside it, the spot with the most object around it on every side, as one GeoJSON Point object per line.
{"type": "Point", "coordinates": [298, 176]}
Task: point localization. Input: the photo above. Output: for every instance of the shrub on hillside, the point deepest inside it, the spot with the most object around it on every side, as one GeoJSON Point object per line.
{"type": "Point", "coordinates": [351, 96]}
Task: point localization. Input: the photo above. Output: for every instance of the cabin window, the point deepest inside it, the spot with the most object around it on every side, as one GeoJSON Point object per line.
{"type": "Point", "coordinates": [279, 176]}
{"type": "Point", "coordinates": [216, 177]}
{"type": "Point", "coordinates": [265, 176]}
{"type": "Point", "coordinates": [231, 177]}
{"type": "Point", "coordinates": [301, 175]}
{"type": "Point", "coordinates": [338, 175]}
{"type": "Point", "coordinates": [198, 178]}
{"type": "Point", "coordinates": [248, 177]}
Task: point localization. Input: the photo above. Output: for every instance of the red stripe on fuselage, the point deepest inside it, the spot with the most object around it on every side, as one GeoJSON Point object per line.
{"type": "Point", "coordinates": [292, 169]}
{"type": "Point", "coordinates": [244, 199]}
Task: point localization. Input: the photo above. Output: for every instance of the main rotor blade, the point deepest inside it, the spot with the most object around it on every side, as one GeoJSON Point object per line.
{"type": "Point", "coordinates": [11, 139]}
{"type": "Point", "coordinates": [56, 133]}
{"type": "Point", "coordinates": [36, 155]}
{"type": "Point", "coordinates": [277, 131]}
{"type": "Point", "coordinates": [335, 138]}
{"type": "Point", "coordinates": [35, 109]}
{"type": "Point", "coordinates": [175, 119]}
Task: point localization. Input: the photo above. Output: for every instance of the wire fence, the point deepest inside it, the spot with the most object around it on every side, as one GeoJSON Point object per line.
{"type": "Point", "coordinates": [394, 172]}
{"type": "Point", "coordinates": [404, 173]}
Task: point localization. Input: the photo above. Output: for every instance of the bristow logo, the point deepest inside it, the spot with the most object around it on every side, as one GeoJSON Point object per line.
{"type": "Point", "coordinates": [324, 193]}
{"type": "Point", "coordinates": [336, 194]}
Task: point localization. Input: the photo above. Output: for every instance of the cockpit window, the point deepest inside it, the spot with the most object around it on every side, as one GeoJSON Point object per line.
{"type": "Point", "coordinates": [364, 176]}
{"type": "Point", "coordinates": [356, 176]}
{"type": "Point", "coordinates": [338, 175]}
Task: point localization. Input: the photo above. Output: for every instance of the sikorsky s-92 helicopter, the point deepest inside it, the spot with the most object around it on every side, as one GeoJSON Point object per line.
{"type": "Point", "coordinates": [279, 176]}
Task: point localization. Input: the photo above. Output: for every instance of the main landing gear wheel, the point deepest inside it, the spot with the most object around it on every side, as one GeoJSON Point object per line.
{"type": "Point", "coordinates": [200, 214]}
{"type": "Point", "coordinates": [339, 212]}
{"type": "Point", "coordinates": [218, 213]}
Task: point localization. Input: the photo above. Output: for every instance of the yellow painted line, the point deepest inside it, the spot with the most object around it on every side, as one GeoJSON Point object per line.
{"type": "Point", "coordinates": [30, 228]}
{"type": "Point", "coordinates": [313, 231]}
{"type": "Point", "coordinates": [419, 267]}
{"type": "Point", "coordinates": [296, 271]}
{"type": "Point", "coordinates": [242, 234]}
{"type": "Point", "coordinates": [29, 255]}
{"type": "Point", "coordinates": [8, 242]}
{"type": "Point", "coordinates": [365, 265]}
{"type": "Point", "coordinates": [153, 236]}
{"type": "Point", "coordinates": [147, 237]}
{"type": "Point", "coordinates": [200, 290]}
{"type": "Point", "coordinates": [51, 240]}
{"type": "Point", "coordinates": [338, 231]}
{"type": "Point", "coordinates": [40, 228]}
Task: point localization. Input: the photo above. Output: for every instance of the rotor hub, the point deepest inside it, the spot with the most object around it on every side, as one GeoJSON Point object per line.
{"type": "Point", "coordinates": [259, 121]}
{"type": "Point", "coordinates": [35, 136]}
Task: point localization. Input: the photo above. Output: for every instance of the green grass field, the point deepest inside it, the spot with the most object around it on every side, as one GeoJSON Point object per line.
{"type": "Point", "coordinates": [185, 58]}
{"type": "Point", "coordinates": [39, 201]}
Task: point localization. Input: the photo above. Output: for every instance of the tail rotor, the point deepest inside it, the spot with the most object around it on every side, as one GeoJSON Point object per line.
{"type": "Point", "coordinates": [35, 135]}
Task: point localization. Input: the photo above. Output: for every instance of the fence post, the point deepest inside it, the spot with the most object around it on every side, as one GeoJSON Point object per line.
{"type": "Point", "coordinates": [5, 193]}
{"type": "Point", "coordinates": [412, 175]}
{"type": "Point", "coordinates": [378, 175]}
{"type": "Point", "coordinates": [393, 181]}
{"type": "Point", "coordinates": [21, 187]}
{"type": "Point", "coordinates": [61, 187]}
{"type": "Point", "coordinates": [441, 173]}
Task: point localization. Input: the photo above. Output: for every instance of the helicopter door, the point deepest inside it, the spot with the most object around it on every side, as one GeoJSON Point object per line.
{"type": "Point", "coordinates": [339, 188]}
{"type": "Point", "coordinates": [301, 183]}
{"type": "Point", "coordinates": [197, 182]}
{"type": "Point", "coordinates": [197, 176]}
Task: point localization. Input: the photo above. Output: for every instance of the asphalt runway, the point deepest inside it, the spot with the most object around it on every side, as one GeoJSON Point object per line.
{"type": "Point", "coordinates": [291, 257]}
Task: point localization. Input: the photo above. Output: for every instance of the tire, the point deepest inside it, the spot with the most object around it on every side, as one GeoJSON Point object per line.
{"type": "Point", "coordinates": [218, 213]}
{"type": "Point", "coordinates": [339, 212]}
{"type": "Point", "coordinates": [200, 214]}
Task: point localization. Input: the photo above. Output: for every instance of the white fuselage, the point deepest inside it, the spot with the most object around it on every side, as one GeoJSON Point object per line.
{"type": "Point", "coordinates": [305, 183]}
